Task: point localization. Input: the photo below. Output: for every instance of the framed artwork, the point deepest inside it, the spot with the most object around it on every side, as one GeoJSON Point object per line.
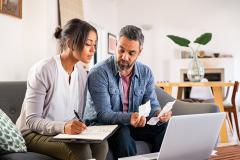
{"type": "Point", "coordinates": [69, 9]}
{"type": "Point", "coordinates": [11, 7]}
{"type": "Point", "coordinates": [112, 43]}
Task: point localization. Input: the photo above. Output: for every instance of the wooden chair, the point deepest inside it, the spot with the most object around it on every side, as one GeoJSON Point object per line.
{"type": "Point", "coordinates": [233, 108]}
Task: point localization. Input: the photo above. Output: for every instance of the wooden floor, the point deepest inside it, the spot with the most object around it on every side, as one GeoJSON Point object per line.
{"type": "Point", "coordinates": [227, 153]}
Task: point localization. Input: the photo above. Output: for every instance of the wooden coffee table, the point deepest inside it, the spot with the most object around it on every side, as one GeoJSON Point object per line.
{"type": "Point", "coordinates": [227, 153]}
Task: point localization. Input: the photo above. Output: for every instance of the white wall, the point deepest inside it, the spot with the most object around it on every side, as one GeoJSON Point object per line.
{"type": "Point", "coordinates": [187, 18]}
{"type": "Point", "coordinates": [11, 46]}
{"type": "Point", "coordinates": [31, 37]}
{"type": "Point", "coordinates": [27, 40]}
{"type": "Point", "coordinates": [103, 15]}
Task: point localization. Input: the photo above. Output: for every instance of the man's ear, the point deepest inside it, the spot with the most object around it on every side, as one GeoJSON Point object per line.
{"type": "Point", "coordinates": [140, 51]}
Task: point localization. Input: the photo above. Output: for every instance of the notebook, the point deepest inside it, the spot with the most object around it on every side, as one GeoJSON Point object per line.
{"type": "Point", "coordinates": [93, 134]}
{"type": "Point", "coordinates": [188, 137]}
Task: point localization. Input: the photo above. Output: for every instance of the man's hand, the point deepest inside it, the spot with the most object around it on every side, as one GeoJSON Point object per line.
{"type": "Point", "coordinates": [74, 127]}
{"type": "Point", "coordinates": [142, 122]}
{"type": "Point", "coordinates": [137, 120]}
{"type": "Point", "coordinates": [165, 117]}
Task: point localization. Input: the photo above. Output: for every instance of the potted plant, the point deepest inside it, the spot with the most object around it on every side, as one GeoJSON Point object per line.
{"type": "Point", "coordinates": [195, 71]}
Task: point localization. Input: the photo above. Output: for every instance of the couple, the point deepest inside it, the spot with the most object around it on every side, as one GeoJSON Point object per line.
{"type": "Point", "coordinates": [118, 86]}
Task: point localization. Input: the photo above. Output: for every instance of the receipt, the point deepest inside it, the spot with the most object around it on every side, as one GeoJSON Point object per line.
{"type": "Point", "coordinates": [153, 121]}
{"type": "Point", "coordinates": [145, 109]}
{"type": "Point", "coordinates": [166, 108]}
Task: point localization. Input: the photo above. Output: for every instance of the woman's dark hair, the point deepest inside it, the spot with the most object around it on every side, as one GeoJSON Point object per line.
{"type": "Point", "coordinates": [76, 31]}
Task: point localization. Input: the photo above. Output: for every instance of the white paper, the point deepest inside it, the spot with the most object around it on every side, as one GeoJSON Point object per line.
{"type": "Point", "coordinates": [145, 109]}
{"type": "Point", "coordinates": [91, 133]}
{"type": "Point", "coordinates": [153, 121]}
{"type": "Point", "coordinates": [166, 108]}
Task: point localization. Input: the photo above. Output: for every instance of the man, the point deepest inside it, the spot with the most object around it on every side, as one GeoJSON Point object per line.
{"type": "Point", "coordinates": [118, 86]}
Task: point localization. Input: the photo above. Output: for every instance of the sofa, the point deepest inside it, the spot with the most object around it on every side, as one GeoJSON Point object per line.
{"type": "Point", "coordinates": [11, 98]}
{"type": "Point", "coordinates": [12, 95]}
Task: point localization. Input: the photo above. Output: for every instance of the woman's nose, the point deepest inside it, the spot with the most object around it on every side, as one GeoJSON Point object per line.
{"type": "Point", "coordinates": [92, 49]}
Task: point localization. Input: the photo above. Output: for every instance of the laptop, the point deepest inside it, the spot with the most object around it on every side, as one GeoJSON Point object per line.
{"type": "Point", "coordinates": [188, 137]}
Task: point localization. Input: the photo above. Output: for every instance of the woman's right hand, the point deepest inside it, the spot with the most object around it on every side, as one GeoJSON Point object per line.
{"type": "Point", "coordinates": [74, 127]}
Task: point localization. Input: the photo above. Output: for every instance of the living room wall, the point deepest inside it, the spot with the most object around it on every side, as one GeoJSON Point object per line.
{"type": "Point", "coordinates": [27, 40]}
{"type": "Point", "coordinates": [30, 39]}
{"type": "Point", "coordinates": [104, 16]}
{"type": "Point", "coordinates": [187, 18]}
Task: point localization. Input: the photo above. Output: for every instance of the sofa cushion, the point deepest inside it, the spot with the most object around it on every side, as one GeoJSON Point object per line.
{"type": "Point", "coordinates": [12, 94]}
{"type": "Point", "coordinates": [11, 139]}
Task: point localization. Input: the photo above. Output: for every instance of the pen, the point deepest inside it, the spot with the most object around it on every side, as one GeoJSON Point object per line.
{"type": "Point", "coordinates": [76, 114]}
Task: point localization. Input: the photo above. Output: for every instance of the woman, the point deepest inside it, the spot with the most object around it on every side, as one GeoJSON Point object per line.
{"type": "Point", "coordinates": [55, 88]}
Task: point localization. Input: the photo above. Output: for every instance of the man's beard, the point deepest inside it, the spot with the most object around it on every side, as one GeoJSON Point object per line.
{"type": "Point", "coordinates": [124, 65]}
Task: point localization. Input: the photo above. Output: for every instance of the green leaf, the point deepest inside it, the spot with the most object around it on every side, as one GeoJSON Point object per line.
{"type": "Point", "coordinates": [179, 40]}
{"type": "Point", "coordinates": [204, 38]}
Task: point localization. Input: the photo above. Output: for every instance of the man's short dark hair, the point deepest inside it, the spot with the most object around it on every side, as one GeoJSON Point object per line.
{"type": "Point", "coordinates": [133, 33]}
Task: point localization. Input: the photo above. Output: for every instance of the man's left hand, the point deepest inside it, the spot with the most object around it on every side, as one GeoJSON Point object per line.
{"type": "Point", "coordinates": [165, 117]}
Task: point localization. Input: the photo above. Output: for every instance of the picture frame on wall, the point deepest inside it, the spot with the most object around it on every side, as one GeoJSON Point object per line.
{"type": "Point", "coordinates": [0, 5]}
{"type": "Point", "coordinates": [11, 7]}
{"type": "Point", "coordinates": [68, 10]}
{"type": "Point", "coordinates": [112, 43]}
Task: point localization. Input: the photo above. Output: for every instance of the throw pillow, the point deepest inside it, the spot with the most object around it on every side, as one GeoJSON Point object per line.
{"type": "Point", "coordinates": [90, 112]}
{"type": "Point", "coordinates": [11, 139]}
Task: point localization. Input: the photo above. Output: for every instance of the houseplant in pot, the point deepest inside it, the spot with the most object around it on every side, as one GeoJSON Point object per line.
{"type": "Point", "coordinates": [195, 71]}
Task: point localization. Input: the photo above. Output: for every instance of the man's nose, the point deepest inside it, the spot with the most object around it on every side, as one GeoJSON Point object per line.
{"type": "Point", "coordinates": [125, 56]}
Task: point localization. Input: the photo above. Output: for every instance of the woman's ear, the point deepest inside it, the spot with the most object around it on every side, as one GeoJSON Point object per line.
{"type": "Point", "coordinates": [69, 45]}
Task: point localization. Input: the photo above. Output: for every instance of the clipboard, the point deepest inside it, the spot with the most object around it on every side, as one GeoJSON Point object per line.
{"type": "Point", "coordinates": [93, 134]}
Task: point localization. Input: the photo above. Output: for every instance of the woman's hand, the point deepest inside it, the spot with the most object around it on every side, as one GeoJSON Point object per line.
{"type": "Point", "coordinates": [74, 127]}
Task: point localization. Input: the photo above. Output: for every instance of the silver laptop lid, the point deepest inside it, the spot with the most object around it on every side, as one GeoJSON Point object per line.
{"type": "Point", "coordinates": [191, 137]}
